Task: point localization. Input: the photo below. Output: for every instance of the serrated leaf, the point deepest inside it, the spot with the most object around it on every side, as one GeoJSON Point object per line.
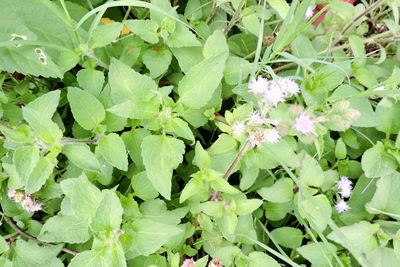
{"type": "Point", "coordinates": [136, 109]}
{"type": "Point", "coordinates": [288, 237]}
{"type": "Point", "coordinates": [31, 254]}
{"type": "Point", "coordinates": [46, 104]}
{"type": "Point", "coordinates": [237, 69]}
{"type": "Point", "coordinates": [279, 192]}
{"type": "Point", "coordinates": [182, 37]}
{"type": "Point", "coordinates": [91, 80]}
{"type": "Point", "coordinates": [246, 206]}
{"type": "Point", "coordinates": [25, 159]}
{"type": "Point", "coordinates": [161, 154]}
{"type": "Point", "coordinates": [42, 125]}
{"type": "Point", "coordinates": [109, 213]}
{"type": "Point", "coordinates": [375, 162]}
{"type": "Point", "coordinates": [42, 171]}
{"type": "Point", "coordinates": [143, 187]}
{"type": "Point", "coordinates": [190, 189]}
{"type": "Point", "coordinates": [146, 29]}
{"type": "Point", "coordinates": [182, 129]}
{"type": "Point", "coordinates": [258, 259]}
{"type": "Point", "coordinates": [112, 148]}
{"type": "Point", "coordinates": [215, 45]}
{"type": "Point", "coordinates": [86, 109]}
{"type": "Point", "coordinates": [81, 156]}
{"type": "Point", "coordinates": [311, 172]}
{"type": "Point", "coordinates": [200, 82]}
{"type": "Point", "coordinates": [318, 211]}
{"type": "Point", "coordinates": [105, 34]}
{"type": "Point", "coordinates": [157, 61]}
{"type": "Point", "coordinates": [67, 229]}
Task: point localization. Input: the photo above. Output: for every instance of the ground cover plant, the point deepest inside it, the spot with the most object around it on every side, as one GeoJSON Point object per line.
{"type": "Point", "coordinates": [199, 133]}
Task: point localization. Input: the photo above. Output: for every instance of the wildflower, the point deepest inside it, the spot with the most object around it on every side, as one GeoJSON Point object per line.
{"type": "Point", "coordinates": [288, 86]}
{"type": "Point", "coordinates": [11, 193]}
{"type": "Point", "coordinates": [345, 186]}
{"type": "Point", "coordinates": [258, 86]}
{"type": "Point", "coordinates": [19, 196]}
{"type": "Point", "coordinates": [272, 136]}
{"type": "Point", "coordinates": [216, 263]}
{"type": "Point", "coordinates": [256, 118]}
{"type": "Point", "coordinates": [274, 94]}
{"type": "Point", "coordinates": [309, 13]}
{"type": "Point", "coordinates": [256, 139]}
{"type": "Point", "coordinates": [305, 125]}
{"type": "Point", "coordinates": [342, 206]}
{"type": "Point", "coordinates": [188, 263]}
{"type": "Point", "coordinates": [238, 128]}
{"type": "Point", "coordinates": [29, 205]}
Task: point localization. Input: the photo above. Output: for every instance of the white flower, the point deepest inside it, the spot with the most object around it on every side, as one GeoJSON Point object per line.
{"type": "Point", "coordinates": [216, 263]}
{"type": "Point", "coordinates": [19, 196]}
{"type": "Point", "coordinates": [11, 193]}
{"type": "Point", "coordinates": [345, 186]}
{"type": "Point", "coordinates": [309, 13]}
{"type": "Point", "coordinates": [29, 205]}
{"type": "Point", "coordinates": [256, 139]}
{"type": "Point", "coordinates": [258, 86]}
{"type": "Point", "coordinates": [289, 86]}
{"type": "Point", "coordinates": [305, 125]}
{"type": "Point", "coordinates": [256, 118]}
{"type": "Point", "coordinates": [380, 88]}
{"type": "Point", "coordinates": [188, 263]}
{"type": "Point", "coordinates": [272, 136]}
{"type": "Point", "coordinates": [274, 94]}
{"type": "Point", "coordinates": [238, 128]}
{"type": "Point", "coordinates": [342, 206]}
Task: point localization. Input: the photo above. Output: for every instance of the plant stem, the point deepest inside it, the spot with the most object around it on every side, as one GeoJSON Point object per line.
{"type": "Point", "coordinates": [127, 13]}
{"type": "Point", "coordinates": [70, 22]}
{"type": "Point", "coordinates": [215, 194]}
{"type": "Point", "coordinates": [234, 18]}
{"type": "Point", "coordinates": [19, 231]}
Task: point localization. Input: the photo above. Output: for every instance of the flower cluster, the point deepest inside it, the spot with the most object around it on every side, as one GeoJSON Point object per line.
{"type": "Point", "coordinates": [345, 192]}
{"type": "Point", "coordinates": [192, 263]}
{"type": "Point", "coordinates": [25, 199]}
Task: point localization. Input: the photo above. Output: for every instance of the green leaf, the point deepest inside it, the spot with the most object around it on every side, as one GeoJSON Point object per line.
{"type": "Point", "coordinates": [311, 172]}
{"type": "Point", "coordinates": [42, 125]}
{"type": "Point", "coordinates": [109, 214]}
{"type": "Point", "coordinates": [276, 211]}
{"type": "Point", "coordinates": [151, 235]}
{"type": "Point", "coordinates": [280, 6]}
{"type": "Point", "coordinates": [91, 80]}
{"type": "Point", "coordinates": [187, 57]}
{"type": "Point", "coordinates": [3, 245]}
{"type": "Point", "coordinates": [257, 259]}
{"type": "Point", "coordinates": [385, 199]}
{"type": "Point", "coordinates": [200, 82]}
{"type": "Point", "coordinates": [215, 45]}
{"type": "Point", "coordinates": [112, 148]}
{"type": "Point", "coordinates": [91, 258]}
{"type": "Point", "coordinates": [312, 252]}
{"type": "Point", "coordinates": [46, 104]}
{"type": "Point", "coordinates": [375, 162]}
{"type": "Point", "coordinates": [382, 256]}
{"type": "Point", "coordinates": [84, 196]}
{"type": "Point", "coordinates": [81, 156]}
{"type": "Point", "coordinates": [105, 34]}
{"type": "Point", "coordinates": [40, 174]}
{"type": "Point", "coordinates": [133, 142]}
{"type": "Point", "coordinates": [182, 37]}
{"type": "Point", "coordinates": [190, 189]}
{"type": "Point", "coordinates": [387, 111]}
{"type": "Point", "coordinates": [136, 109]}
{"type": "Point", "coordinates": [29, 253]}
{"type": "Point", "coordinates": [86, 109]}
{"type": "Point", "coordinates": [67, 229]}
{"type": "Point", "coordinates": [25, 159]}
{"type": "Point", "coordinates": [288, 237]}
{"type": "Point", "coordinates": [146, 29]}
{"type": "Point", "coordinates": [279, 192]}
{"type": "Point", "coordinates": [182, 129]}
{"type": "Point", "coordinates": [340, 149]}
{"type": "Point", "coordinates": [127, 84]}
{"type": "Point", "coordinates": [157, 61]}
{"type": "Point", "coordinates": [161, 154]}
{"type": "Point", "coordinates": [220, 184]}
{"type": "Point", "coordinates": [246, 206]}
{"type": "Point", "coordinates": [252, 23]}
{"type": "Point", "coordinates": [303, 48]}
{"type": "Point", "coordinates": [236, 70]}
{"type": "Point", "coordinates": [359, 235]}
{"type": "Point", "coordinates": [319, 213]}
{"type": "Point", "coordinates": [143, 187]}
{"type": "Point", "coordinates": [201, 158]}
{"type": "Point", "coordinates": [357, 46]}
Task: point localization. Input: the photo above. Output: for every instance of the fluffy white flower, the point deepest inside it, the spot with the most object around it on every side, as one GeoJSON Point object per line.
{"type": "Point", "coordinates": [342, 206]}
{"type": "Point", "coordinates": [19, 196]}
{"type": "Point", "coordinates": [305, 125]}
{"type": "Point", "coordinates": [256, 139]}
{"type": "Point", "coordinates": [346, 192]}
{"type": "Point", "coordinates": [272, 136]}
{"type": "Point", "coordinates": [258, 86]}
{"type": "Point", "coordinates": [345, 186]}
{"type": "Point", "coordinates": [256, 119]}
{"type": "Point", "coordinates": [29, 205]}
{"type": "Point", "coordinates": [238, 128]}
{"type": "Point", "coordinates": [188, 263]}
{"type": "Point", "coordinates": [274, 94]}
{"type": "Point", "coordinates": [11, 193]}
{"type": "Point", "coordinates": [289, 86]}
{"type": "Point", "coordinates": [309, 13]}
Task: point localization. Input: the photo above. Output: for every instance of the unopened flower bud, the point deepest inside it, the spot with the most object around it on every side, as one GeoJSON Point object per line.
{"type": "Point", "coordinates": [353, 114]}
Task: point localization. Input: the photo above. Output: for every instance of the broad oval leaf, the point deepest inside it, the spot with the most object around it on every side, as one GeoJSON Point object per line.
{"type": "Point", "coordinates": [113, 150]}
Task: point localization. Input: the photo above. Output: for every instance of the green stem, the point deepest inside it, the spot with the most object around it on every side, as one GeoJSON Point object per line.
{"type": "Point", "coordinates": [127, 13]}
{"type": "Point", "coordinates": [71, 24]}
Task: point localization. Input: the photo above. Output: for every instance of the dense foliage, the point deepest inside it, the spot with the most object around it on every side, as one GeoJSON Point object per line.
{"type": "Point", "coordinates": [199, 133]}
